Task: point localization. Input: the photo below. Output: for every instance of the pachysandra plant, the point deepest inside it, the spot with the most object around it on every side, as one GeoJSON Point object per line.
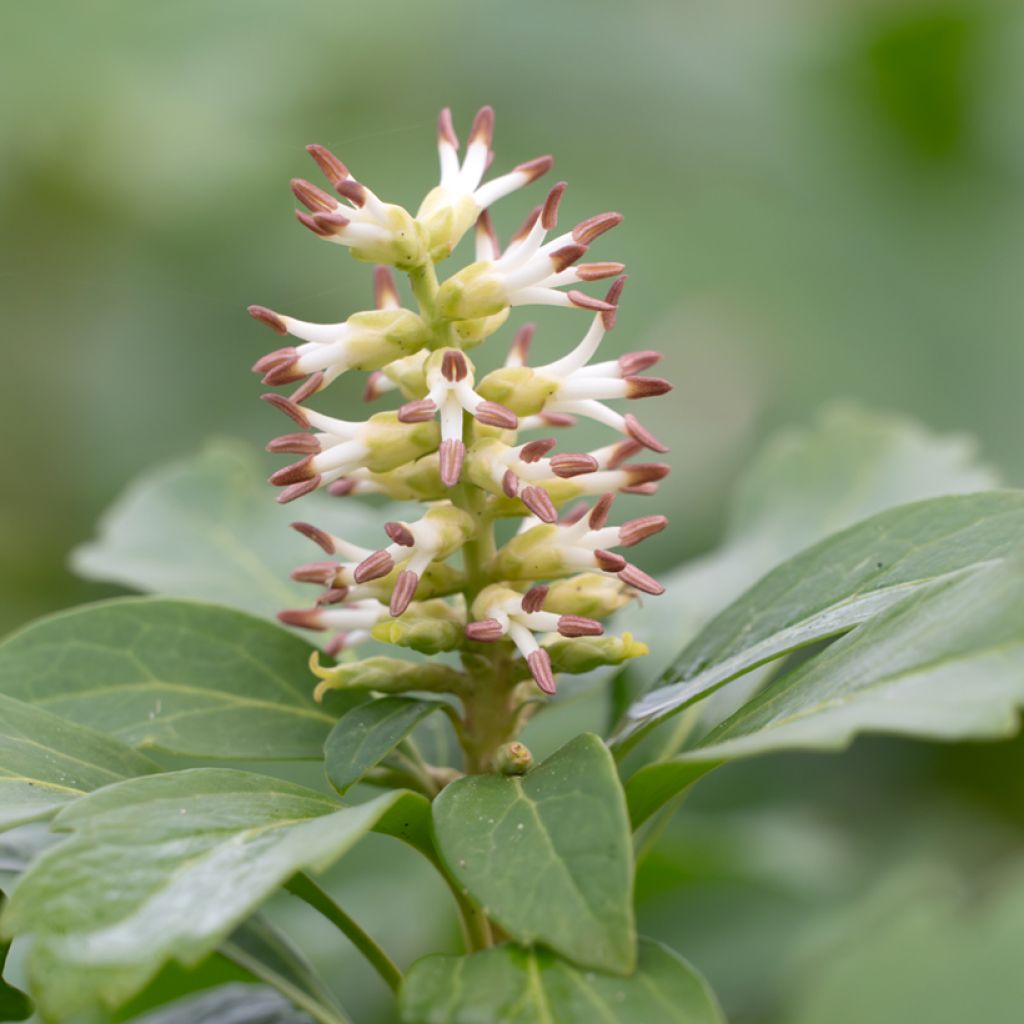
{"type": "Point", "coordinates": [143, 900]}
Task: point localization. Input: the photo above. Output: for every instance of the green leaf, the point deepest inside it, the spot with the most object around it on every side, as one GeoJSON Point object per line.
{"type": "Point", "coordinates": [367, 734]}
{"type": "Point", "coordinates": [836, 585]}
{"type": "Point", "coordinates": [803, 486]}
{"type": "Point", "coordinates": [207, 527]}
{"type": "Point", "coordinates": [548, 855]}
{"type": "Point", "coordinates": [46, 762]}
{"type": "Point", "coordinates": [14, 1004]}
{"type": "Point", "coordinates": [237, 1004]}
{"type": "Point", "coordinates": [165, 868]}
{"type": "Point", "coordinates": [183, 677]}
{"type": "Point", "coordinates": [517, 986]}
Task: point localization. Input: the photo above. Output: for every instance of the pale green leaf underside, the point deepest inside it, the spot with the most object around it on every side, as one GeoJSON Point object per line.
{"type": "Point", "coordinates": [185, 677]}
{"type": "Point", "coordinates": [164, 868]}
{"type": "Point", "coordinates": [228, 1004]}
{"type": "Point", "coordinates": [46, 762]}
{"type": "Point", "coordinates": [516, 986]}
{"type": "Point", "coordinates": [839, 583]}
{"type": "Point", "coordinates": [368, 733]}
{"type": "Point", "coordinates": [548, 855]}
{"type": "Point", "coordinates": [207, 527]}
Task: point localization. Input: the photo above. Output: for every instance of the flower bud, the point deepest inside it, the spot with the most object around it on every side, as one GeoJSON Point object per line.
{"type": "Point", "coordinates": [384, 675]}
{"type": "Point", "coordinates": [584, 654]}
{"type": "Point", "coordinates": [589, 594]}
{"type": "Point", "coordinates": [513, 759]}
{"type": "Point", "coordinates": [429, 627]}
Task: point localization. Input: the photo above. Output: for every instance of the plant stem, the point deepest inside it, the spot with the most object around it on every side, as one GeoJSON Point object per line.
{"type": "Point", "coordinates": [476, 929]}
{"type": "Point", "coordinates": [301, 1000]}
{"type": "Point", "coordinates": [423, 280]}
{"type": "Point", "coordinates": [306, 889]}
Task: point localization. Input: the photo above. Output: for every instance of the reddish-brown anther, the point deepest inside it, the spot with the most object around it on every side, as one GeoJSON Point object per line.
{"type": "Point", "coordinates": [612, 298]}
{"type": "Point", "coordinates": [274, 322]}
{"type": "Point", "coordinates": [400, 534]}
{"type": "Point", "coordinates": [333, 595]}
{"type": "Point", "coordinates": [599, 513]}
{"type": "Point", "coordinates": [298, 490]}
{"type": "Point", "coordinates": [418, 411]}
{"type": "Point", "coordinates": [540, 668]}
{"type": "Point", "coordinates": [453, 366]}
{"type": "Point", "coordinates": [583, 301]}
{"type": "Point", "coordinates": [593, 227]}
{"type": "Point", "coordinates": [288, 407]}
{"type": "Point", "coordinates": [313, 197]}
{"type": "Point", "coordinates": [404, 592]}
{"type": "Point", "coordinates": [324, 231]}
{"type": "Point", "coordinates": [622, 451]}
{"type": "Point", "coordinates": [646, 387]}
{"type": "Point", "coordinates": [536, 450]}
{"type": "Point", "coordinates": [483, 126]}
{"type": "Point", "coordinates": [534, 598]}
{"type": "Point", "coordinates": [570, 464]}
{"type": "Point", "coordinates": [527, 226]}
{"type": "Point", "coordinates": [539, 502]}
{"type": "Point", "coordinates": [637, 362]}
{"type": "Point", "coordinates": [279, 357]}
{"type": "Point", "coordinates": [333, 169]}
{"type": "Point", "coordinates": [599, 271]}
{"type": "Point", "coordinates": [314, 382]}
{"type": "Point", "coordinates": [635, 530]}
{"type": "Point", "coordinates": [558, 419]}
{"type": "Point", "coordinates": [642, 435]}
{"type": "Point", "coordinates": [295, 444]}
{"type": "Point", "coordinates": [577, 625]}
{"type": "Point", "coordinates": [351, 190]}
{"type": "Point", "coordinates": [609, 561]}
{"type": "Point", "coordinates": [639, 580]}
{"type": "Point", "coordinates": [485, 225]}
{"type": "Point", "coordinates": [385, 294]}
{"type": "Point", "coordinates": [373, 388]}
{"type": "Point", "coordinates": [646, 472]}
{"type": "Point", "coordinates": [563, 258]}
{"type": "Point", "coordinates": [549, 211]}
{"type": "Point", "coordinates": [510, 484]}
{"type": "Point", "coordinates": [373, 567]}
{"type": "Point", "coordinates": [304, 618]}
{"type": "Point", "coordinates": [520, 345]}
{"type": "Point", "coordinates": [342, 487]}
{"type": "Point", "coordinates": [537, 167]}
{"type": "Point", "coordinates": [451, 455]}
{"type": "Point", "coordinates": [641, 489]}
{"type": "Point", "coordinates": [330, 224]}
{"type": "Point", "coordinates": [316, 535]}
{"type": "Point", "coordinates": [283, 373]}
{"type": "Point", "coordinates": [485, 631]}
{"type": "Point", "coordinates": [492, 414]}
{"type": "Point", "coordinates": [297, 472]}
{"type": "Point", "coordinates": [575, 514]}
{"type": "Point", "coordinates": [445, 129]}
{"type": "Point", "coordinates": [315, 572]}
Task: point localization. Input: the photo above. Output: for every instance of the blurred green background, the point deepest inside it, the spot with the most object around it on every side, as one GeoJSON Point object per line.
{"type": "Point", "coordinates": [821, 199]}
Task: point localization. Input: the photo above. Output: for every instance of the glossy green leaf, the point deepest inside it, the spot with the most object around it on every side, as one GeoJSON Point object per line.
{"type": "Point", "coordinates": [805, 484]}
{"type": "Point", "coordinates": [179, 676]}
{"type": "Point", "coordinates": [165, 868]}
{"type": "Point", "coordinates": [836, 585]}
{"type": "Point", "coordinates": [46, 762]}
{"type": "Point", "coordinates": [548, 855]}
{"type": "Point", "coordinates": [367, 734]}
{"type": "Point", "coordinates": [207, 527]}
{"type": "Point", "coordinates": [517, 986]}
{"type": "Point", "coordinates": [228, 1004]}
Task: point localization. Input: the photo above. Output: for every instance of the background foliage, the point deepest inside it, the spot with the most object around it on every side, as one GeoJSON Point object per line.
{"type": "Point", "coordinates": [822, 200]}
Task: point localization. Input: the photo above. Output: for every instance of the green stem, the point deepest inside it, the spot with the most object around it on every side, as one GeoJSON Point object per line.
{"type": "Point", "coordinates": [301, 1000]}
{"type": "Point", "coordinates": [306, 889]}
{"type": "Point", "coordinates": [423, 280]}
{"type": "Point", "coordinates": [476, 929]}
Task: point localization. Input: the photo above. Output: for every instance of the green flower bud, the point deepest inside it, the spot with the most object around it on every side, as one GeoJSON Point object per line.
{"type": "Point", "coordinates": [518, 388]}
{"type": "Point", "coordinates": [472, 293]}
{"type": "Point", "coordinates": [384, 675]}
{"type": "Point", "coordinates": [590, 594]}
{"type": "Point", "coordinates": [408, 374]}
{"type": "Point", "coordinates": [392, 443]}
{"type": "Point", "coordinates": [472, 332]}
{"type": "Point", "coordinates": [444, 222]}
{"type": "Point", "coordinates": [429, 627]}
{"type": "Point", "coordinates": [586, 653]}
{"type": "Point", "coordinates": [382, 336]}
{"type": "Point", "coordinates": [405, 245]}
{"type": "Point", "coordinates": [532, 556]}
{"type": "Point", "coordinates": [415, 481]}
{"type": "Point", "coordinates": [513, 759]}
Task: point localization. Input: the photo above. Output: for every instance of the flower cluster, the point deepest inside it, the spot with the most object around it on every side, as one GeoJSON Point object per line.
{"type": "Point", "coordinates": [453, 441]}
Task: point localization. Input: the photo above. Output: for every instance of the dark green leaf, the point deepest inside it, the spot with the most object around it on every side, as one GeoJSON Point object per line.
{"type": "Point", "coordinates": [516, 986]}
{"type": "Point", "coordinates": [367, 734]}
{"type": "Point", "coordinates": [46, 762]}
{"type": "Point", "coordinates": [166, 867]}
{"type": "Point", "coordinates": [804, 485]}
{"type": "Point", "coordinates": [839, 583]}
{"type": "Point", "coordinates": [207, 527]}
{"type": "Point", "coordinates": [548, 855]}
{"type": "Point", "coordinates": [229, 1004]}
{"type": "Point", "coordinates": [180, 676]}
